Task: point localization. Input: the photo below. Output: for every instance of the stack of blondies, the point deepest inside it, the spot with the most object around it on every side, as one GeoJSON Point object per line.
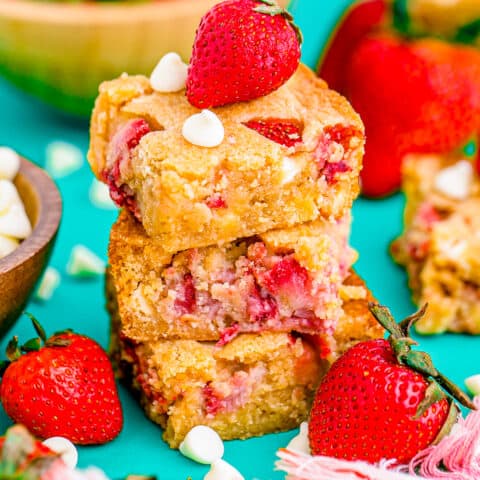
{"type": "Point", "coordinates": [230, 284]}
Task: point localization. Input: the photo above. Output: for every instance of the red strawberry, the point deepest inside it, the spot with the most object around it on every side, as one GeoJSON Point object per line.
{"type": "Point", "coordinates": [243, 49]}
{"type": "Point", "coordinates": [123, 142]}
{"type": "Point", "coordinates": [290, 283]}
{"type": "Point", "coordinates": [285, 132]}
{"type": "Point", "coordinates": [414, 97]}
{"type": "Point", "coordinates": [64, 386]}
{"type": "Point", "coordinates": [382, 399]}
{"type": "Point", "coordinates": [359, 20]}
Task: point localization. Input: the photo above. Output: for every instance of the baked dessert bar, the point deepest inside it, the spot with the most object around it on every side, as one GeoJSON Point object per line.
{"type": "Point", "coordinates": [440, 245]}
{"type": "Point", "coordinates": [189, 196]}
{"type": "Point", "coordinates": [282, 280]}
{"type": "Point", "coordinates": [253, 385]}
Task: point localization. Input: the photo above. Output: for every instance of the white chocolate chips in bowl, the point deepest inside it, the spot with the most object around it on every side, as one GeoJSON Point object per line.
{"type": "Point", "coordinates": [14, 223]}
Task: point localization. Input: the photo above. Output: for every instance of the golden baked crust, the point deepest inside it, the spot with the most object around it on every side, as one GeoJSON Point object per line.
{"type": "Point", "coordinates": [253, 385]}
{"type": "Point", "coordinates": [440, 247]}
{"type": "Point", "coordinates": [281, 280]}
{"type": "Point", "coordinates": [170, 181]}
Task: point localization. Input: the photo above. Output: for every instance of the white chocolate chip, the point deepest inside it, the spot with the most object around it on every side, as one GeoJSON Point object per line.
{"type": "Point", "coordinates": [290, 169]}
{"type": "Point", "coordinates": [48, 284]}
{"type": "Point", "coordinates": [170, 74]}
{"type": "Point", "coordinates": [300, 442]}
{"type": "Point", "coordinates": [202, 444]}
{"type": "Point", "coordinates": [94, 473]}
{"type": "Point", "coordinates": [65, 448]}
{"type": "Point", "coordinates": [63, 158]}
{"type": "Point", "coordinates": [7, 245]}
{"type": "Point", "coordinates": [473, 384]}
{"type": "Point", "coordinates": [99, 195]}
{"type": "Point", "coordinates": [455, 181]}
{"type": "Point", "coordinates": [203, 129]}
{"type": "Point", "coordinates": [8, 196]}
{"type": "Point", "coordinates": [221, 470]}
{"type": "Point", "coordinates": [84, 263]}
{"type": "Point", "coordinates": [15, 223]}
{"type": "Point", "coordinates": [9, 163]}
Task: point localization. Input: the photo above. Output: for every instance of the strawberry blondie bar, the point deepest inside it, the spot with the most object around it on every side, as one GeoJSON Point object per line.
{"type": "Point", "coordinates": [282, 280]}
{"type": "Point", "coordinates": [440, 245]}
{"type": "Point", "coordinates": [286, 158]}
{"type": "Point", "coordinates": [253, 385]}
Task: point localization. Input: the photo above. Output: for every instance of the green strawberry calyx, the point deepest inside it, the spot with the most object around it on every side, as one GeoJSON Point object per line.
{"type": "Point", "coordinates": [270, 7]}
{"type": "Point", "coordinates": [421, 362]}
{"type": "Point", "coordinates": [14, 351]}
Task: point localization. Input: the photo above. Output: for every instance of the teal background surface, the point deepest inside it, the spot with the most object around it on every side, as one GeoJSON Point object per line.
{"type": "Point", "coordinates": [29, 126]}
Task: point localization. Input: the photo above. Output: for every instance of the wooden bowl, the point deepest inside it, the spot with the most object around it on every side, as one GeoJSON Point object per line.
{"type": "Point", "coordinates": [61, 51]}
{"type": "Point", "coordinates": [20, 270]}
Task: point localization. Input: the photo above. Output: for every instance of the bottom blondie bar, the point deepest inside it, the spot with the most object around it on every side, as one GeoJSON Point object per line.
{"type": "Point", "coordinates": [253, 385]}
{"type": "Point", "coordinates": [440, 245]}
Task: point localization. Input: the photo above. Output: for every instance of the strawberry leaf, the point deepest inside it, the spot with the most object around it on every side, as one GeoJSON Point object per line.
{"type": "Point", "coordinates": [58, 342]}
{"type": "Point", "coordinates": [420, 362]}
{"type": "Point", "coordinates": [32, 345]}
{"type": "Point", "coordinates": [37, 326]}
{"type": "Point", "coordinates": [433, 394]}
{"type": "Point", "coordinates": [13, 352]}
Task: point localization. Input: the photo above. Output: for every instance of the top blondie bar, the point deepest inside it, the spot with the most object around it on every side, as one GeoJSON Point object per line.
{"type": "Point", "coordinates": [190, 196]}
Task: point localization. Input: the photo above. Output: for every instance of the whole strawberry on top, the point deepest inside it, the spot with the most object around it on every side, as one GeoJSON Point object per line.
{"type": "Point", "coordinates": [61, 386]}
{"type": "Point", "coordinates": [243, 49]}
{"type": "Point", "coordinates": [382, 400]}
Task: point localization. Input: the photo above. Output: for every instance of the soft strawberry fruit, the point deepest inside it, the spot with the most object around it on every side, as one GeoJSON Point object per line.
{"type": "Point", "coordinates": [123, 142]}
{"type": "Point", "coordinates": [216, 201]}
{"type": "Point", "coordinates": [285, 132]}
{"type": "Point", "coordinates": [331, 151]}
{"type": "Point", "coordinates": [366, 398]}
{"type": "Point", "coordinates": [228, 335]}
{"type": "Point", "coordinates": [261, 306]}
{"type": "Point", "coordinates": [186, 296]}
{"type": "Point", "coordinates": [243, 49]}
{"type": "Point", "coordinates": [421, 96]}
{"type": "Point", "coordinates": [359, 20]}
{"type": "Point", "coordinates": [290, 282]}
{"type": "Point", "coordinates": [212, 403]}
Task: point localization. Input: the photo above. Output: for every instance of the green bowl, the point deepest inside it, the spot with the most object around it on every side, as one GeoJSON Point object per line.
{"type": "Point", "coordinates": [61, 51]}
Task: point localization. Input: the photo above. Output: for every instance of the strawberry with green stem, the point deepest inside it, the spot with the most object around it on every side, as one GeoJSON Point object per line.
{"type": "Point", "coordinates": [243, 49]}
{"type": "Point", "coordinates": [61, 386]}
{"type": "Point", "coordinates": [383, 400]}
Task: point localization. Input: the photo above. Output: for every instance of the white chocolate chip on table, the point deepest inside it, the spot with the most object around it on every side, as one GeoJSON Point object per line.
{"type": "Point", "coordinates": [202, 444]}
{"type": "Point", "coordinates": [170, 74]}
{"type": "Point", "coordinates": [48, 284]}
{"type": "Point", "coordinates": [473, 384]}
{"type": "Point", "coordinates": [99, 195]}
{"type": "Point", "coordinates": [300, 442]}
{"type": "Point", "coordinates": [65, 448]}
{"type": "Point", "coordinates": [222, 470]}
{"type": "Point", "coordinates": [84, 263]}
{"type": "Point", "coordinates": [63, 158]}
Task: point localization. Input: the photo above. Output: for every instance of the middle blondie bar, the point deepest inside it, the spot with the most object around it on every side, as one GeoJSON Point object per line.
{"type": "Point", "coordinates": [281, 281]}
